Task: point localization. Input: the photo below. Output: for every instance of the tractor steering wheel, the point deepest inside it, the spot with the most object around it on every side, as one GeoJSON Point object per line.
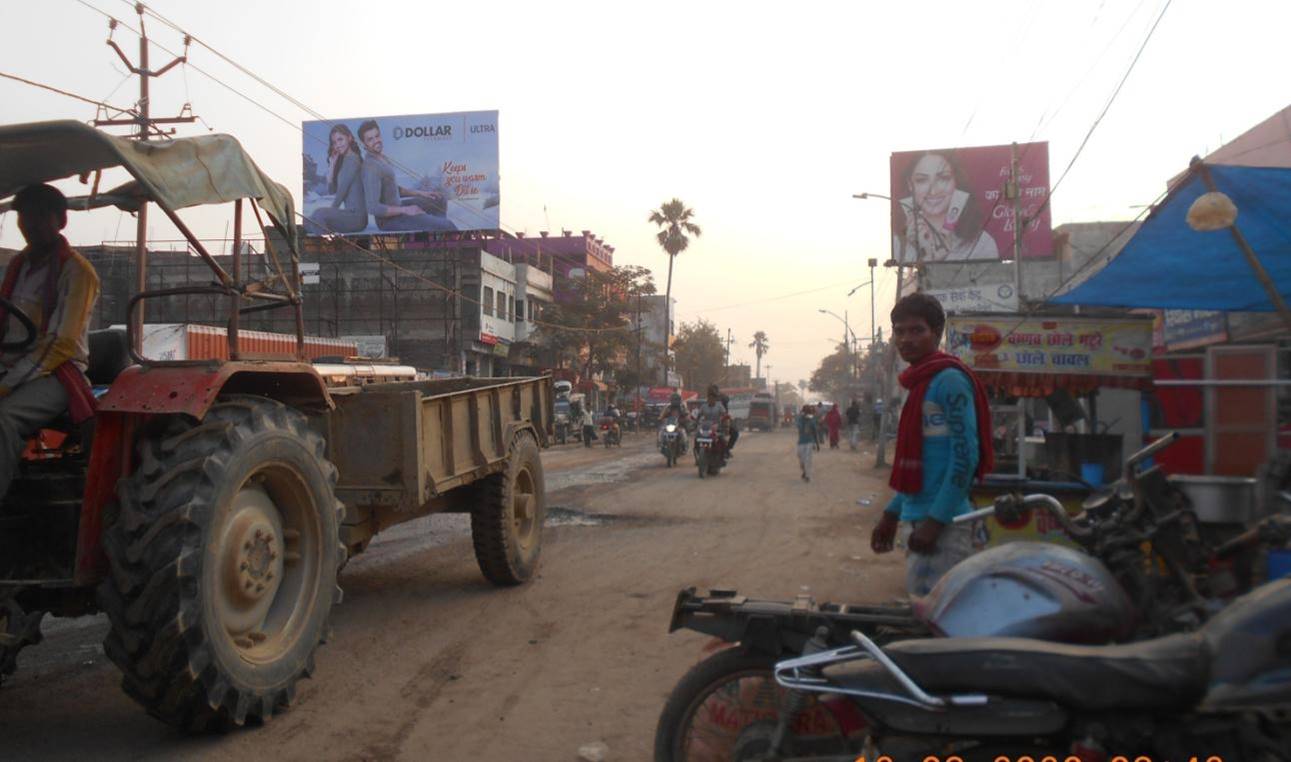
{"type": "Point", "coordinates": [27, 324]}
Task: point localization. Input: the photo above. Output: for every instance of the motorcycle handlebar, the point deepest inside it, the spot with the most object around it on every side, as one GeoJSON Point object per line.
{"type": "Point", "coordinates": [1007, 506]}
{"type": "Point", "coordinates": [1151, 449]}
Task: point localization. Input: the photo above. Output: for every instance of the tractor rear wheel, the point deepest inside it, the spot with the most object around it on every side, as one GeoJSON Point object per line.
{"type": "Point", "coordinates": [223, 564]}
{"type": "Point", "coordinates": [506, 523]}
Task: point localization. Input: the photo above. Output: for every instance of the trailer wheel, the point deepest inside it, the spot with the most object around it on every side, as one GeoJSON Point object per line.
{"type": "Point", "coordinates": [223, 564]}
{"type": "Point", "coordinates": [506, 525]}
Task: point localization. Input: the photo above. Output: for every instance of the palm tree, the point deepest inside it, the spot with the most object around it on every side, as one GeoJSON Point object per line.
{"type": "Point", "coordinates": [674, 221]}
{"type": "Point", "coordinates": [759, 346]}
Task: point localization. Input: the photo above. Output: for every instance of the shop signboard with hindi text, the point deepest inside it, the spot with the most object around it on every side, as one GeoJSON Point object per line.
{"type": "Point", "coordinates": [418, 173]}
{"type": "Point", "coordinates": [1065, 345]}
{"type": "Point", "coordinates": [952, 205]}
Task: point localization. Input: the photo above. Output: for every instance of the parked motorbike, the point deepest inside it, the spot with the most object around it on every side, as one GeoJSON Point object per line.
{"type": "Point", "coordinates": [710, 448]}
{"type": "Point", "coordinates": [1140, 574]}
{"type": "Point", "coordinates": [1219, 693]}
{"type": "Point", "coordinates": [562, 428]}
{"type": "Point", "coordinates": [672, 440]}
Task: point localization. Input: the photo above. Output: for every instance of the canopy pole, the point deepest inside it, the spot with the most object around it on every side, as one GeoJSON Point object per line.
{"type": "Point", "coordinates": [1251, 259]}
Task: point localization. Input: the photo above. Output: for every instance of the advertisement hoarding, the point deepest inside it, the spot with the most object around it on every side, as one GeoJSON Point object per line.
{"type": "Point", "coordinates": [950, 205]}
{"type": "Point", "coordinates": [1068, 345]}
{"type": "Point", "coordinates": [401, 174]}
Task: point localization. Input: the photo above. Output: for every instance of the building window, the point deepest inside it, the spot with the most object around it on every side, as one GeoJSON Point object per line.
{"type": "Point", "coordinates": [533, 310]}
{"type": "Point", "coordinates": [487, 301]}
{"type": "Point", "coordinates": [502, 305]}
{"type": "Point", "coordinates": [511, 307]}
{"type": "Point", "coordinates": [519, 311]}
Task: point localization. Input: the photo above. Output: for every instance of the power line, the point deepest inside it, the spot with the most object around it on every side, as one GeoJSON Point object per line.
{"type": "Point", "coordinates": [1099, 119]}
{"type": "Point", "coordinates": [776, 298]}
{"type": "Point", "coordinates": [59, 91]}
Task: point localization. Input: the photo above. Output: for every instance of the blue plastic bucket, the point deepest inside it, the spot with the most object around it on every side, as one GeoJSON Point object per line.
{"type": "Point", "coordinates": [1092, 473]}
{"type": "Point", "coordinates": [1279, 564]}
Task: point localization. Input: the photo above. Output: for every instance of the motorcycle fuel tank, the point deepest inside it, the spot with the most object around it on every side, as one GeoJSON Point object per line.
{"type": "Point", "coordinates": [1250, 651]}
{"type": "Point", "coordinates": [1029, 590]}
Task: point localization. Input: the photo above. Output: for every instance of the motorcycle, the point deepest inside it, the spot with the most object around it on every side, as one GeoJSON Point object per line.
{"type": "Point", "coordinates": [562, 428]}
{"type": "Point", "coordinates": [1140, 572]}
{"type": "Point", "coordinates": [710, 448]}
{"type": "Point", "coordinates": [672, 441]}
{"type": "Point", "coordinates": [1219, 693]}
{"type": "Point", "coordinates": [611, 433]}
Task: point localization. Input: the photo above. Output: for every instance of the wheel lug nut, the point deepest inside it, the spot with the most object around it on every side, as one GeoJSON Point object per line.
{"type": "Point", "coordinates": [268, 576]}
{"type": "Point", "coordinates": [259, 588]}
{"type": "Point", "coordinates": [259, 534]}
{"type": "Point", "coordinates": [249, 584]}
{"type": "Point", "coordinates": [242, 566]}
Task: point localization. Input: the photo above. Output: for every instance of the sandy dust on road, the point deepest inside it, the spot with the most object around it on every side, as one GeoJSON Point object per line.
{"type": "Point", "coordinates": [429, 662]}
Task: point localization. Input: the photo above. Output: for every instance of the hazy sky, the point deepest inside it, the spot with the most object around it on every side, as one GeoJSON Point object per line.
{"type": "Point", "coordinates": [763, 117]}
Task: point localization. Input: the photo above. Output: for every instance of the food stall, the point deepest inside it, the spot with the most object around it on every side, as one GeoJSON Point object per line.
{"type": "Point", "coordinates": [1058, 358]}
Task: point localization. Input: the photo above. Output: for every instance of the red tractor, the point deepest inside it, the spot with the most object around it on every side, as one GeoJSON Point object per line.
{"type": "Point", "coordinates": [209, 505]}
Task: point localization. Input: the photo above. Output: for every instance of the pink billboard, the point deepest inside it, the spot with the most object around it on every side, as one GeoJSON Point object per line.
{"type": "Point", "coordinates": [950, 205]}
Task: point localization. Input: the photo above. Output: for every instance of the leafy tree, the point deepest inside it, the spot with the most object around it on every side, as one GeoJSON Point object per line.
{"type": "Point", "coordinates": [675, 228]}
{"type": "Point", "coordinates": [759, 345]}
{"type": "Point", "coordinates": [700, 354]}
{"type": "Point", "coordinates": [594, 331]}
{"type": "Point", "coordinates": [835, 376]}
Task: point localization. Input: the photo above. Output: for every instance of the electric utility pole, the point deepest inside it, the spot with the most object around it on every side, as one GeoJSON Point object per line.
{"type": "Point", "coordinates": [147, 128]}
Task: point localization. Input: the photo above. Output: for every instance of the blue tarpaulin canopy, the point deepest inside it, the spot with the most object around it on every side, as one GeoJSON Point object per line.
{"type": "Point", "coordinates": [1168, 265]}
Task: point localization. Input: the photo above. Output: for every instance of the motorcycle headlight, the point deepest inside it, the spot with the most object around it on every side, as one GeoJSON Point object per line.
{"type": "Point", "coordinates": [670, 428]}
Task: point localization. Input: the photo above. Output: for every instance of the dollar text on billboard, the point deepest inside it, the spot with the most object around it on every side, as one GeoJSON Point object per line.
{"type": "Point", "coordinates": [401, 174]}
{"type": "Point", "coordinates": [951, 204]}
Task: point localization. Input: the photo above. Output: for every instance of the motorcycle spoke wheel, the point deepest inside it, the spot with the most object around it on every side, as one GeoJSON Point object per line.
{"type": "Point", "coordinates": [736, 718]}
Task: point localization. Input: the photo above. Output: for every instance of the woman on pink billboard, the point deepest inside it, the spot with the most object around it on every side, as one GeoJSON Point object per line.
{"type": "Point", "coordinates": [348, 212]}
{"type": "Point", "coordinates": [940, 220]}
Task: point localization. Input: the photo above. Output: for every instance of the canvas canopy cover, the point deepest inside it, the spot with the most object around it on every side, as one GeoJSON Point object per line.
{"type": "Point", "coordinates": [1168, 265]}
{"type": "Point", "coordinates": [178, 173]}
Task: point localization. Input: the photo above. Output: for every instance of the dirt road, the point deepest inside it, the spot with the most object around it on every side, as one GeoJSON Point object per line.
{"type": "Point", "coordinates": [429, 662]}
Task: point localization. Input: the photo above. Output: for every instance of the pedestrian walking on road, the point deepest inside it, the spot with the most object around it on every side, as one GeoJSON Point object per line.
{"type": "Point", "coordinates": [853, 425]}
{"type": "Point", "coordinates": [806, 440]}
{"type": "Point", "coordinates": [834, 421]}
{"type": "Point", "coordinates": [943, 443]}
{"type": "Point", "coordinates": [589, 427]}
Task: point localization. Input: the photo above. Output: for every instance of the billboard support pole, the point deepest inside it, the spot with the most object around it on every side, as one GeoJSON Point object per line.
{"type": "Point", "coordinates": [1014, 191]}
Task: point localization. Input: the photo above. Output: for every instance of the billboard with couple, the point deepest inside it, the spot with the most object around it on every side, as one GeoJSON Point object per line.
{"type": "Point", "coordinates": [401, 174]}
{"type": "Point", "coordinates": [950, 205]}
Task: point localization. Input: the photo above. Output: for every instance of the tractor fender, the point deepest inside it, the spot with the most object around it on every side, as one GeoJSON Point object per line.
{"type": "Point", "coordinates": [192, 388]}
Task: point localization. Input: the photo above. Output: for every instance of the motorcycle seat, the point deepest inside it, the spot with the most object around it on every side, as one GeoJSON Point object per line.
{"type": "Point", "coordinates": [1162, 673]}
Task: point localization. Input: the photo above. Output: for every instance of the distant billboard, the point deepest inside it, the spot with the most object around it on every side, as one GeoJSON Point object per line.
{"type": "Point", "coordinates": [949, 205]}
{"type": "Point", "coordinates": [401, 174]}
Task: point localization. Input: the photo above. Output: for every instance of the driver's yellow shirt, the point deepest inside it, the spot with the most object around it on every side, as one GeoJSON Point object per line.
{"type": "Point", "coordinates": [66, 337]}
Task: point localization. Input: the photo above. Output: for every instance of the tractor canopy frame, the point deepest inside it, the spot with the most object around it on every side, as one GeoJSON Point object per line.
{"type": "Point", "coordinates": [173, 174]}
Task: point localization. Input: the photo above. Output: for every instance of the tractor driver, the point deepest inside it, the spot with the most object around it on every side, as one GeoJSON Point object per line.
{"type": "Point", "coordinates": [57, 288]}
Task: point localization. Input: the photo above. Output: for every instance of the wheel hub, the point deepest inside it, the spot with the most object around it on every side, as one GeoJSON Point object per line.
{"type": "Point", "coordinates": [251, 561]}
{"type": "Point", "coordinates": [256, 557]}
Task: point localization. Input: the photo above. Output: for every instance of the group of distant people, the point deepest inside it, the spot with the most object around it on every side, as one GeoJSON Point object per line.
{"type": "Point", "coordinates": [364, 187]}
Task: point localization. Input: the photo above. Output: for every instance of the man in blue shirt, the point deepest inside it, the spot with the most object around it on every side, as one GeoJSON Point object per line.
{"type": "Point", "coordinates": [940, 448]}
{"type": "Point", "coordinates": [806, 440]}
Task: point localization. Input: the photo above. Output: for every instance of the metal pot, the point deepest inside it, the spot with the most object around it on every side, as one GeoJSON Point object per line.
{"type": "Point", "coordinates": [1219, 499]}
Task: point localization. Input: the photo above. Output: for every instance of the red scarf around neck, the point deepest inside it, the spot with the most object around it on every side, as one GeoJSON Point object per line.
{"type": "Point", "coordinates": [907, 467]}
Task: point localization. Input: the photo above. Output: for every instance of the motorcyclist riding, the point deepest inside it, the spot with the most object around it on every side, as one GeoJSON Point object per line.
{"type": "Point", "coordinates": [714, 410]}
{"type": "Point", "coordinates": [676, 409]}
